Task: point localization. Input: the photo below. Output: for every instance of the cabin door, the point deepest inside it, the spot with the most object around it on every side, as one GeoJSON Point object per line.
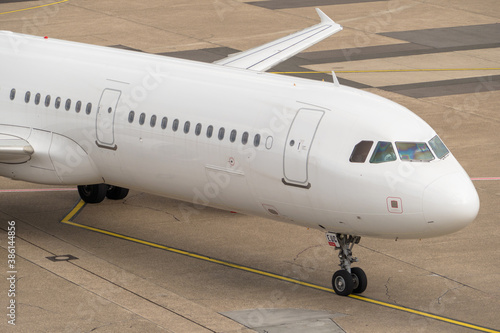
{"type": "Point", "coordinates": [105, 118]}
{"type": "Point", "coordinates": [298, 144]}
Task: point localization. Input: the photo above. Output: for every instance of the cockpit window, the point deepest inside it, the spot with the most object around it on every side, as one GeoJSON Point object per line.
{"type": "Point", "coordinates": [438, 147]}
{"type": "Point", "coordinates": [414, 151]}
{"type": "Point", "coordinates": [361, 151]}
{"type": "Point", "coordinates": [384, 152]}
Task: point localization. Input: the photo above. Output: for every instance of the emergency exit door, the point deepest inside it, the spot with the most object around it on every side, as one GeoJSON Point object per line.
{"type": "Point", "coordinates": [105, 118]}
{"type": "Point", "coordinates": [298, 145]}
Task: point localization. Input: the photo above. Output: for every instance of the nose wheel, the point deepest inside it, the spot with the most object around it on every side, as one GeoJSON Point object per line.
{"type": "Point", "coordinates": [360, 281]}
{"type": "Point", "coordinates": [347, 280]}
{"type": "Point", "coordinates": [343, 283]}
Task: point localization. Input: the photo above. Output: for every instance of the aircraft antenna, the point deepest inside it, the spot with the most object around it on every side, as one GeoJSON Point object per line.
{"type": "Point", "coordinates": [335, 80]}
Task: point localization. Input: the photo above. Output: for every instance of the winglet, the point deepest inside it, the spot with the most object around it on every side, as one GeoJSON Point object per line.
{"type": "Point", "coordinates": [324, 18]}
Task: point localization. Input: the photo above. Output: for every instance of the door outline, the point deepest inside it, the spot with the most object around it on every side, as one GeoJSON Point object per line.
{"type": "Point", "coordinates": [298, 145]}
{"type": "Point", "coordinates": [105, 118]}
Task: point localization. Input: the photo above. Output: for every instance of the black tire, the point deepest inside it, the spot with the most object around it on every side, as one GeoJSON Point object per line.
{"type": "Point", "coordinates": [93, 193]}
{"type": "Point", "coordinates": [359, 279]}
{"type": "Point", "coordinates": [342, 283]}
{"type": "Point", "coordinates": [116, 193]}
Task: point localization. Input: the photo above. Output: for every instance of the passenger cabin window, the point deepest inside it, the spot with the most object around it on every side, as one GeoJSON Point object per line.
{"type": "Point", "coordinates": [256, 140]}
{"type": "Point", "coordinates": [438, 147]}
{"type": "Point", "coordinates": [197, 130]}
{"type": "Point", "coordinates": [12, 94]}
{"type": "Point", "coordinates": [244, 138]}
{"type": "Point", "coordinates": [131, 116]}
{"type": "Point", "coordinates": [47, 100]}
{"type": "Point", "coordinates": [37, 98]}
{"type": "Point", "coordinates": [175, 125]}
{"type": "Point", "coordinates": [384, 152]}
{"type": "Point", "coordinates": [27, 97]}
{"type": "Point", "coordinates": [164, 122]}
{"type": "Point", "coordinates": [210, 131]}
{"type": "Point", "coordinates": [221, 133]}
{"type": "Point", "coordinates": [88, 109]}
{"type": "Point", "coordinates": [361, 151]}
{"type": "Point", "coordinates": [58, 102]}
{"type": "Point", "coordinates": [414, 151]}
{"type": "Point", "coordinates": [78, 106]}
{"type": "Point", "coordinates": [232, 137]}
{"type": "Point", "coordinates": [152, 122]}
{"type": "Point", "coordinates": [67, 106]}
{"type": "Point", "coordinates": [142, 118]}
{"type": "Point", "coordinates": [187, 125]}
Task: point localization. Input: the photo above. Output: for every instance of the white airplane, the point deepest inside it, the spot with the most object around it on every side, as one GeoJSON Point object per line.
{"type": "Point", "coordinates": [228, 135]}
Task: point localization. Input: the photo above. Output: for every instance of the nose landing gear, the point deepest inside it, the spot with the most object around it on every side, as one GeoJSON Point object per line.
{"type": "Point", "coordinates": [347, 280]}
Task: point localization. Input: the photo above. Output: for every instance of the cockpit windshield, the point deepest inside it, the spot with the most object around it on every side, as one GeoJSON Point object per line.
{"type": "Point", "coordinates": [438, 147]}
{"type": "Point", "coordinates": [414, 151]}
{"type": "Point", "coordinates": [407, 151]}
{"type": "Point", "coordinates": [361, 151]}
{"type": "Point", "coordinates": [384, 152]}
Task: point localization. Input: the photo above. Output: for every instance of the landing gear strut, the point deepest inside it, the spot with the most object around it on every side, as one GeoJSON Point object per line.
{"type": "Point", "coordinates": [347, 280]}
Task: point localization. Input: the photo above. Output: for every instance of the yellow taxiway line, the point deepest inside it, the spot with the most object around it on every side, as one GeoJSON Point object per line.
{"type": "Point", "coordinates": [394, 70]}
{"type": "Point", "coordinates": [35, 7]}
{"type": "Point", "coordinates": [80, 205]}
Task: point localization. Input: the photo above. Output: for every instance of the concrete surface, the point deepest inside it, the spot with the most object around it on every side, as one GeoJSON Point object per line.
{"type": "Point", "coordinates": [119, 285]}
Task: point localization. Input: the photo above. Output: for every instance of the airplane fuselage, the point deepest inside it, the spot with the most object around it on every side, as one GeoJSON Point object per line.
{"type": "Point", "coordinates": [257, 143]}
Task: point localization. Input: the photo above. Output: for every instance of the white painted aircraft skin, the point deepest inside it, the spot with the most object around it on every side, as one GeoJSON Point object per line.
{"type": "Point", "coordinates": [311, 183]}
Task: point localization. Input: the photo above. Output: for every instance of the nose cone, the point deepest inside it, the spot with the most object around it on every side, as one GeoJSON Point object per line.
{"type": "Point", "coordinates": [450, 203]}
